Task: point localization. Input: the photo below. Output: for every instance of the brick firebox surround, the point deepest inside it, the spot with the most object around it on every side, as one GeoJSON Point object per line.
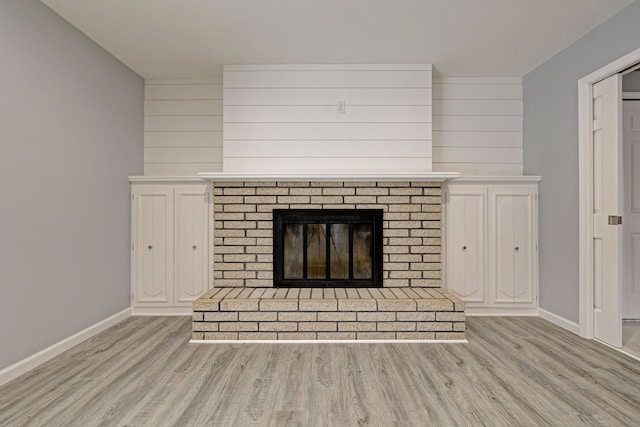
{"type": "Point", "coordinates": [243, 226]}
{"type": "Point", "coordinates": [410, 306]}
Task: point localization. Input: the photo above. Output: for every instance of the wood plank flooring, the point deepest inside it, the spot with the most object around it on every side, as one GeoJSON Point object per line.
{"type": "Point", "coordinates": [513, 371]}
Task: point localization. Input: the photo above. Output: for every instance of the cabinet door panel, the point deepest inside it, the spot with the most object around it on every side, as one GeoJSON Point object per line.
{"type": "Point", "coordinates": [465, 243]}
{"type": "Point", "coordinates": [153, 246]}
{"type": "Point", "coordinates": [513, 246]}
{"type": "Point", "coordinates": [191, 243]}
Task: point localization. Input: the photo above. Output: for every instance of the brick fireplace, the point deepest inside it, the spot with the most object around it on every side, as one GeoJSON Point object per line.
{"type": "Point", "coordinates": [245, 305]}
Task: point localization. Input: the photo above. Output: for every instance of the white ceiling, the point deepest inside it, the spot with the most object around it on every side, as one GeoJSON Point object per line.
{"type": "Point", "coordinates": [193, 38]}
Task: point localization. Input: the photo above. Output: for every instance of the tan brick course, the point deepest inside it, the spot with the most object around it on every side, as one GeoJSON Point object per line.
{"type": "Point", "coordinates": [336, 335]}
{"type": "Point", "coordinates": [220, 336]}
{"type": "Point", "coordinates": [278, 326]}
{"type": "Point", "coordinates": [330, 316]}
{"type": "Point", "coordinates": [205, 326]}
{"type": "Point", "coordinates": [212, 316]}
{"type": "Point", "coordinates": [357, 304]}
{"type": "Point", "coordinates": [297, 336]}
{"type": "Point", "coordinates": [257, 336]}
{"type": "Point", "coordinates": [318, 305]}
{"type": "Point", "coordinates": [375, 335]}
{"type": "Point", "coordinates": [356, 326]}
{"type": "Point", "coordinates": [317, 326]}
{"type": "Point", "coordinates": [376, 317]}
{"type": "Point", "coordinates": [415, 335]}
{"type": "Point", "coordinates": [396, 326]}
{"type": "Point", "coordinates": [238, 326]}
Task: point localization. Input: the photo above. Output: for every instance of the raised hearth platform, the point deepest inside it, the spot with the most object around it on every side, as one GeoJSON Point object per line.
{"type": "Point", "coordinates": [402, 313]}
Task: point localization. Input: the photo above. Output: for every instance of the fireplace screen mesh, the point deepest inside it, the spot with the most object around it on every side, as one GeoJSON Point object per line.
{"type": "Point", "coordinates": [327, 247]}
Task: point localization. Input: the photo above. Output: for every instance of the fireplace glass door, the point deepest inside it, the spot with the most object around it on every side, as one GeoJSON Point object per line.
{"type": "Point", "coordinates": [328, 248]}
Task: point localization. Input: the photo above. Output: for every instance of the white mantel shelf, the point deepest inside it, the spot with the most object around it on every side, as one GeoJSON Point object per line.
{"type": "Point", "coordinates": [418, 176]}
{"type": "Point", "coordinates": [488, 179]}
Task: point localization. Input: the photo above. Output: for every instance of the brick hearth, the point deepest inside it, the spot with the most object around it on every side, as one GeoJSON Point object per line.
{"type": "Point", "coordinates": [328, 314]}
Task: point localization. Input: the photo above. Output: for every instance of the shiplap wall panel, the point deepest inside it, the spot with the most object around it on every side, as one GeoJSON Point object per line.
{"type": "Point", "coordinates": [327, 96]}
{"type": "Point", "coordinates": [476, 169]}
{"type": "Point", "coordinates": [195, 107]}
{"type": "Point", "coordinates": [183, 123]}
{"type": "Point", "coordinates": [482, 123]}
{"type": "Point", "coordinates": [477, 125]}
{"type": "Point", "coordinates": [296, 106]}
{"type": "Point", "coordinates": [183, 155]}
{"type": "Point", "coordinates": [502, 155]}
{"type": "Point", "coordinates": [183, 139]}
{"type": "Point", "coordinates": [471, 107]}
{"type": "Point", "coordinates": [348, 148]}
{"type": "Point", "coordinates": [183, 91]}
{"type": "Point", "coordinates": [326, 114]}
{"type": "Point", "coordinates": [236, 133]}
{"type": "Point", "coordinates": [443, 89]}
{"type": "Point", "coordinates": [476, 139]}
{"type": "Point", "coordinates": [326, 164]}
{"type": "Point", "coordinates": [182, 127]}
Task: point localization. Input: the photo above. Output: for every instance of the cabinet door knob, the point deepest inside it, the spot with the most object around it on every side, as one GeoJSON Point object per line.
{"type": "Point", "coordinates": [150, 247]}
{"type": "Point", "coordinates": [517, 248]}
{"type": "Point", "coordinates": [195, 247]}
{"type": "Point", "coordinates": [464, 248]}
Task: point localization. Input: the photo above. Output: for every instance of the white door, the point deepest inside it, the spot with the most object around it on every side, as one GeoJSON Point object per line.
{"type": "Point", "coordinates": [607, 114]}
{"type": "Point", "coordinates": [631, 224]}
{"type": "Point", "coordinates": [191, 243]}
{"type": "Point", "coordinates": [465, 243]}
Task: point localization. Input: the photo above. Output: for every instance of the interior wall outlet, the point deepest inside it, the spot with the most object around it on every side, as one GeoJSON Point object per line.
{"type": "Point", "coordinates": [341, 108]}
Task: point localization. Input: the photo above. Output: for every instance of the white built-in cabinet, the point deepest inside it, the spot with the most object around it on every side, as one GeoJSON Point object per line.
{"type": "Point", "coordinates": [491, 243]}
{"type": "Point", "coordinates": [170, 244]}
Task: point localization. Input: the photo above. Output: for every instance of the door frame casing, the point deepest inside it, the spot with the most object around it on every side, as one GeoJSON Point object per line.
{"type": "Point", "coordinates": [585, 185]}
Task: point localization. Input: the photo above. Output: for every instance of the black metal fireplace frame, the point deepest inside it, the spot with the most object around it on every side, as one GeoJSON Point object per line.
{"type": "Point", "coordinates": [281, 217]}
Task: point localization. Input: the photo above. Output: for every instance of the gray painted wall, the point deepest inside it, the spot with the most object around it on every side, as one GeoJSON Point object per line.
{"type": "Point", "coordinates": [70, 134]}
{"type": "Point", "coordinates": [551, 150]}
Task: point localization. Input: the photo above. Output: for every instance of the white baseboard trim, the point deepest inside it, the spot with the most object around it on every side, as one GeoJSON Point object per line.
{"type": "Point", "coordinates": [559, 321]}
{"type": "Point", "coordinates": [25, 365]}
{"type": "Point", "coordinates": [162, 311]}
{"type": "Point", "coordinates": [500, 311]}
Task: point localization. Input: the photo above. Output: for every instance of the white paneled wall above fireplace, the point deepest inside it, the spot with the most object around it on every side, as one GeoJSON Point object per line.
{"type": "Point", "coordinates": [287, 118]}
{"type": "Point", "coordinates": [477, 123]}
{"type": "Point", "coordinates": [182, 127]}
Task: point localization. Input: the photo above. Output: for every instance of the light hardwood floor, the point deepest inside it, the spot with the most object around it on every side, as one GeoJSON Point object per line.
{"type": "Point", "coordinates": [513, 371]}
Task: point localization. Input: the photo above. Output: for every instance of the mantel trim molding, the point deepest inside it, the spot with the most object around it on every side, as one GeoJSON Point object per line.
{"type": "Point", "coordinates": [363, 177]}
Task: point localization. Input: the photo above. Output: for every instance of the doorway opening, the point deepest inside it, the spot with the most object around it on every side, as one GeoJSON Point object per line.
{"type": "Point", "coordinates": [591, 267]}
